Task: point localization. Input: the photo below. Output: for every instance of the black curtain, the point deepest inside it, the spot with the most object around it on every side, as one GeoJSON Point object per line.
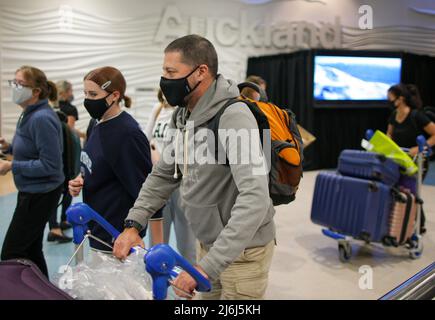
{"type": "Point", "coordinates": [289, 84]}
{"type": "Point", "coordinates": [420, 70]}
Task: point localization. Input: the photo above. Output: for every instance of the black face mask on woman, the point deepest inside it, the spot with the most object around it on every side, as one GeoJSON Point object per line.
{"type": "Point", "coordinates": [97, 108]}
{"type": "Point", "coordinates": [392, 104]}
{"type": "Point", "coordinates": [176, 90]}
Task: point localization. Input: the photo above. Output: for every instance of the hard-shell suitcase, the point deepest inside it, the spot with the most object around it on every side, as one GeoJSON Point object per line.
{"type": "Point", "coordinates": [409, 183]}
{"type": "Point", "coordinates": [402, 218]}
{"type": "Point", "coordinates": [21, 279]}
{"type": "Point", "coordinates": [352, 206]}
{"type": "Point", "coordinates": [368, 165]}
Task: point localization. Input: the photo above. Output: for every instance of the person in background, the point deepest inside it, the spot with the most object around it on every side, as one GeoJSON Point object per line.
{"type": "Point", "coordinates": [71, 168]}
{"type": "Point", "coordinates": [55, 229]}
{"type": "Point", "coordinates": [116, 159]}
{"type": "Point", "coordinates": [156, 132]}
{"type": "Point", "coordinates": [251, 93]}
{"type": "Point", "coordinates": [65, 99]}
{"type": "Point", "coordinates": [37, 166]}
{"type": "Point", "coordinates": [407, 122]}
{"type": "Point", "coordinates": [257, 80]}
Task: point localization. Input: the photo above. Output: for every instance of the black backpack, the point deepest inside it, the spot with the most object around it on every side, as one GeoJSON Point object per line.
{"type": "Point", "coordinates": [429, 112]}
{"type": "Point", "coordinates": [69, 156]}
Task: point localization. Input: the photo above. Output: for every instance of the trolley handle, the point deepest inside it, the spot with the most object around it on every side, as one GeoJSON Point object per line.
{"type": "Point", "coordinates": [369, 134]}
{"type": "Point", "coordinates": [421, 142]}
{"type": "Point", "coordinates": [423, 147]}
{"type": "Point", "coordinates": [80, 214]}
{"type": "Point", "coordinates": [160, 260]}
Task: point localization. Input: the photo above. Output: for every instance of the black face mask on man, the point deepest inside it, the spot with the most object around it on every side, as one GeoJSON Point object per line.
{"type": "Point", "coordinates": [176, 90]}
{"type": "Point", "coordinates": [97, 108]}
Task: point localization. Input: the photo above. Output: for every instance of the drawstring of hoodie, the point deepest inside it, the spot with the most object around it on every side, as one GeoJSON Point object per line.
{"type": "Point", "coordinates": [185, 151]}
{"type": "Point", "coordinates": [176, 154]}
{"type": "Point", "coordinates": [186, 141]}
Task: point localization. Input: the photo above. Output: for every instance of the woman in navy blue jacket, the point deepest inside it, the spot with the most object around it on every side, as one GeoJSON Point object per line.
{"type": "Point", "coordinates": [116, 158]}
{"type": "Point", "coordinates": [37, 166]}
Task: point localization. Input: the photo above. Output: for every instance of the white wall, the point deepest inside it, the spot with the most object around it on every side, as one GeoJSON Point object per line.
{"type": "Point", "coordinates": [122, 34]}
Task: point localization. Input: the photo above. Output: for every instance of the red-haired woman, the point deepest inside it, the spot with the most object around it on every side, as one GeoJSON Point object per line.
{"type": "Point", "coordinates": [116, 158]}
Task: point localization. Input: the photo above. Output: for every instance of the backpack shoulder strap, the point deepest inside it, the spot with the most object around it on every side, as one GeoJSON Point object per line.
{"type": "Point", "coordinates": [430, 112]}
{"type": "Point", "coordinates": [213, 125]}
{"type": "Point", "coordinates": [413, 115]}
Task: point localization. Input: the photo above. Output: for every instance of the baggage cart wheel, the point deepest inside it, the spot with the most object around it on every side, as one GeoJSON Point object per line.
{"type": "Point", "coordinates": [415, 254]}
{"type": "Point", "coordinates": [416, 250]}
{"type": "Point", "coordinates": [344, 251]}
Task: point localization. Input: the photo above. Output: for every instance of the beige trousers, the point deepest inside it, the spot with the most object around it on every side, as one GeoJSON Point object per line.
{"type": "Point", "coordinates": [244, 279]}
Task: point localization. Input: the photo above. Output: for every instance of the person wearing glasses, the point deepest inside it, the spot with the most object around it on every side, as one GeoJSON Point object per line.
{"type": "Point", "coordinates": [36, 166]}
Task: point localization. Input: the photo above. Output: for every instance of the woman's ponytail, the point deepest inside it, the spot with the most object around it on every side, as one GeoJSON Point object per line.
{"type": "Point", "coordinates": [127, 102]}
{"type": "Point", "coordinates": [415, 101]}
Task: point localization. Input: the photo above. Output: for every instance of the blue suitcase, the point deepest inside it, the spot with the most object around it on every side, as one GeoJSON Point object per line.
{"type": "Point", "coordinates": [352, 206]}
{"type": "Point", "coordinates": [368, 165]}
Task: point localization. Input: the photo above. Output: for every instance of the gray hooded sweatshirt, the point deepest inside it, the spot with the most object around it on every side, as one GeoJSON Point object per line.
{"type": "Point", "coordinates": [227, 207]}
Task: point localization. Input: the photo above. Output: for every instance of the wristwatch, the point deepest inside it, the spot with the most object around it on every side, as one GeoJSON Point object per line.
{"type": "Point", "coordinates": [133, 224]}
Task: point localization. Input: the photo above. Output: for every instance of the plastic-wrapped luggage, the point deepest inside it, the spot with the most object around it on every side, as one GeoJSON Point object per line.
{"type": "Point", "coordinates": [368, 165]}
{"type": "Point", "coordinates": [352, 206]}
{"type": "Point", "coordinates": [103, 277]}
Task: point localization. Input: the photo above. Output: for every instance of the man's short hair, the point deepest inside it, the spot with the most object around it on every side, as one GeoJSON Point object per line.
{"type": "Point", "coordinates": [195, 50]}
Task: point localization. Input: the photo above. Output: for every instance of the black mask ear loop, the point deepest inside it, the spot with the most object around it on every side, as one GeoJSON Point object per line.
{"type": "Point", "coordinates": [196, 85]}
{"type": "Point", "coordinates": [109, 106]}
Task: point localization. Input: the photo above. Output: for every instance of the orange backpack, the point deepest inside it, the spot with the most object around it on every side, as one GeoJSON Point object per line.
{"type": "Point", "coordinates": [286, 144]}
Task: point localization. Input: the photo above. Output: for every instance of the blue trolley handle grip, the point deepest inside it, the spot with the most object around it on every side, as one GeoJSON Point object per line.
{"type": "Point", "coordinates": [421, 142]}
{"type": "Point", "coordinates": [80, 214]}
{"type": "Point", "coordinates": [203, 284]}
{"type": "Point", "coordinates": [369, 134]}
{"type": "Point", "coordinates": [79, 232]}
{"type": "Point", "coordinates": [161, 262]}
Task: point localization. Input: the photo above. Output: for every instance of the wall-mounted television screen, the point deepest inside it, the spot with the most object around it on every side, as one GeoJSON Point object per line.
{"type": "Point", "coordinates": [358, 78]}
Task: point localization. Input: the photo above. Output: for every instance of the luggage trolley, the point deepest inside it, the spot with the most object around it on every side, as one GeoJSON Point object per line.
{"type": "Point", "coordinates": [415, 244]}
{"type": "Point", "coordinates": [161, 261]}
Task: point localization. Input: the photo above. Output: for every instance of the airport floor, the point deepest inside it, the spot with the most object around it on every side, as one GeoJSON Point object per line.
{"type": "Point", "coordinates": [305, 264]}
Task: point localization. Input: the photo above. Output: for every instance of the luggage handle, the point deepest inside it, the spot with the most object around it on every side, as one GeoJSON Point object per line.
{"type": "Point", "coordinates": [373, 187]}
{"type": "Point", "coordinates": [398, 194]}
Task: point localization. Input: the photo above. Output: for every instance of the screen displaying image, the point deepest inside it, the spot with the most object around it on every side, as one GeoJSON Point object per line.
{"type": "Point", "coordinates": [354, 78]}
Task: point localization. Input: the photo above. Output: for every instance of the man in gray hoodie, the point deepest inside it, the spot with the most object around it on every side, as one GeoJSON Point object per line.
{"type": "Point", "coordinates": [227, 206]}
